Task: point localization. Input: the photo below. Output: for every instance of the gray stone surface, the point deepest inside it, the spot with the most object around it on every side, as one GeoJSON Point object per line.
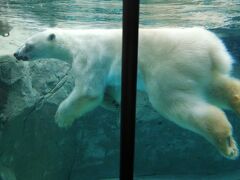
{"type": "Point", "coordinates": [32, 147]}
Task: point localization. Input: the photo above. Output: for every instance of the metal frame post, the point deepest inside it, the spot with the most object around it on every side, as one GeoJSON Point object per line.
{"type": "Point", "coordinates": [129, 83]}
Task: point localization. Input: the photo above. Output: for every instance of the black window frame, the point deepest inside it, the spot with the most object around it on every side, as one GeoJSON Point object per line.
{"type": "Point", "coordinates": [128, 87]}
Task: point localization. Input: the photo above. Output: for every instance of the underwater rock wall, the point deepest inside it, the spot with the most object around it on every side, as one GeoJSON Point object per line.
{"type": "Point", "coordinates": [32, 147]}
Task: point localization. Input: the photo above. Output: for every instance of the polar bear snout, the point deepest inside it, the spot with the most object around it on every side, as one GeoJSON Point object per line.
{"type": "Point", "coordinates": [20, 57]}
{"type": "Point", "coordinates": [23, 53]}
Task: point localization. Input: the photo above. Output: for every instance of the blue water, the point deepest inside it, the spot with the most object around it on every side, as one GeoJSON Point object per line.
{"type": "Point", "coordinates": [107, 13]}
{"type": "Point", "coordinates": [92, 153]}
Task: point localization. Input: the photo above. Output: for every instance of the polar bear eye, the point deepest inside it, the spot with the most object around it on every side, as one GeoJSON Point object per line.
{"type": "Point", "coordinates": [51, 37]}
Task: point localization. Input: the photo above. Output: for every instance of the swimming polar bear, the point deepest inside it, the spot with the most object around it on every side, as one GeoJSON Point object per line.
{"type": "Point", "coordinates": [184, 71]}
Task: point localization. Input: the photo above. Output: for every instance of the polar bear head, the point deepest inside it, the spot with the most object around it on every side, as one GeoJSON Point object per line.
{"type": "Point", "coordinates": [46, 44]}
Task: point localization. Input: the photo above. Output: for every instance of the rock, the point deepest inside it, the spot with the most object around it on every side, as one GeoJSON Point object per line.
{"type": "Point", "coordinates": [6, 173]}
{"type": "Point", "coordinates": [30, 141]}
{"type": "Point", "coordinates": [32, 147]}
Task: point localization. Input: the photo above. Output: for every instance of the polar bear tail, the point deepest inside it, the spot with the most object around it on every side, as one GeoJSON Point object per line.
{"type": "Point", "coordinates": [221, 59]}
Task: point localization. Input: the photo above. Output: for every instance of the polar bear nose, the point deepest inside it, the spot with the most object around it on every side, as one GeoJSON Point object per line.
{"type": "Point", "coordinates": [16, 56]}
{"type": "Point", "coordinates": [24, 58]}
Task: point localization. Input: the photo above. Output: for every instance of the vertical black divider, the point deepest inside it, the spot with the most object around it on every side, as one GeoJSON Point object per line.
{"type": "Point", "coordinates": [129, 83]}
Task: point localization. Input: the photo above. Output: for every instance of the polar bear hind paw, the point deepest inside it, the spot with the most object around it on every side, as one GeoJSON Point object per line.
{"type": "Point", "coordinates": [231, 151]}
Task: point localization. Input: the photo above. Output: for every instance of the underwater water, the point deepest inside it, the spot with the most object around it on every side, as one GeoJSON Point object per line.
{"type": "Point", "coordinates": [33, 147]}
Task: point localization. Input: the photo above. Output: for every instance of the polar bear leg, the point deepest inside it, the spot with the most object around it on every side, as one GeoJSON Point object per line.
{"type": "Point", "coordinates": [225, 92]}
{"type": "Point", "coordinates": [74, 106]}
{"type": "Point", "coordinates": [206, 120]}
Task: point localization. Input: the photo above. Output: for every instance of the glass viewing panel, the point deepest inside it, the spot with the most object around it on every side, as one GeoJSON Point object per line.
{"type": "Point", "coordinates": [36, 81]}
{"type": "Point", "coordinates": [183, 83]}
{"type": "Point", "coordinates": [33, 84]}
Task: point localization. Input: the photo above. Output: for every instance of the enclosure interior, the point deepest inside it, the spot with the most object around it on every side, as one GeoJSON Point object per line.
{"type": "Point", "coordinates": [32, 146]}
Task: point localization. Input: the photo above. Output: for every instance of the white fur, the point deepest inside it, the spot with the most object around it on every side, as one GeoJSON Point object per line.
{"type": "Point", "coordinates": [178, 68]}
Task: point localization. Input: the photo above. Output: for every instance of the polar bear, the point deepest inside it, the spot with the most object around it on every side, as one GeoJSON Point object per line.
{"type": "Point", "coordinates": [184, 71]}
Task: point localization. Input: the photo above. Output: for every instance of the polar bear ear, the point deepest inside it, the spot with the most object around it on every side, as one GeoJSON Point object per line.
{"type": "Point", "coordinates": [51, 37]}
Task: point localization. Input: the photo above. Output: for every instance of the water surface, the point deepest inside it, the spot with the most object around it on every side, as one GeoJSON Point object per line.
{"type": "Point", "coordinates": [36, 14]}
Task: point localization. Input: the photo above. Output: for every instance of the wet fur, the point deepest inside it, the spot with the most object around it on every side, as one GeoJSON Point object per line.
{"type": "Point", "coordinates": [184, 71]}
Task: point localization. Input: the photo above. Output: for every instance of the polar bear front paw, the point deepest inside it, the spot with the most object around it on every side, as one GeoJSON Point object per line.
{"type": "Point", "coordinates": [62, 119]}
